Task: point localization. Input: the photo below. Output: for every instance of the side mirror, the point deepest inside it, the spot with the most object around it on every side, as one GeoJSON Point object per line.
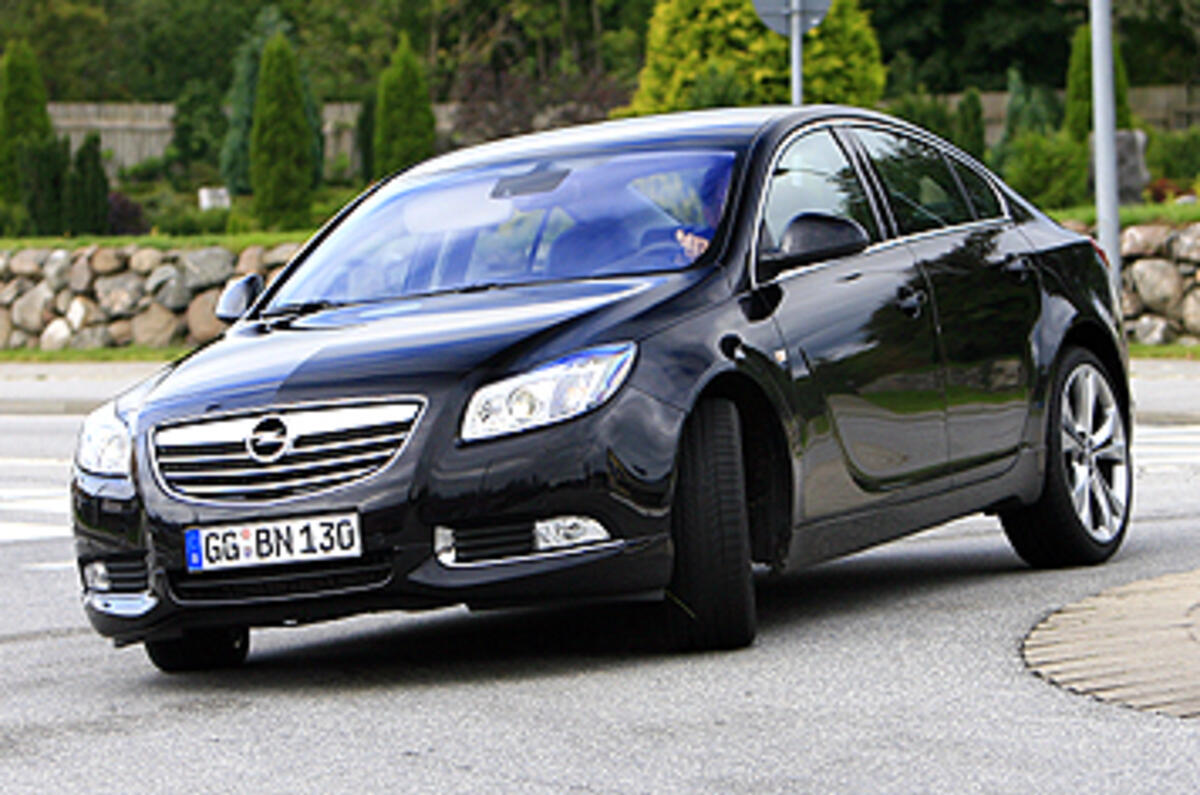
{"type": "Point", "coordinates": [237, 297]}
{"type": "Point", "coordinates": [812, 237]}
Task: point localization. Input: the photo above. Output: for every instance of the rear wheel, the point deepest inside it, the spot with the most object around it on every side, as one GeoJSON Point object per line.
{"type": "Point", "coordinates": [1084, 508]}
{"type": "Point", "coordinates": [201, 650]}
{"type": "Point", "coordinates": [710, 601]}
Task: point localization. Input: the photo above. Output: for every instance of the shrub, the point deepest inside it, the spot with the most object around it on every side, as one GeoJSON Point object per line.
{"type": "Point", "coordinates": [364, 137]}
{"type": "Point", "coordinates": [199, 124]}
{"type": "Point", "coordinates": [1050, 170]}
{"type": "Point", "coordinates": [717, 88]}
{"type": "Point", "coordinates": [14, 219]}
{"type": "Point", "coordinates": [925, 110]}
{"type": "Point", "coordinates": [146, 171]}
{"type": "Point", "coordinates": [404, 122]}
{"type": "Point", "coordinates": [87, 191]}
{"type": "Point", "coordinates": [1174, 154]}
{"type": "Point", "coordinates": [23, 116]}
{"type": "Point", "coordinates": [1078, 121]}
{"type": "Point", "coordinates": [280, 152]}
{"type": "Point", "coordinates": [125, 216]}
{"type": "Point", "coordinates": [842, 60]}
{"type": "Point", "coordinates": [968, 124]}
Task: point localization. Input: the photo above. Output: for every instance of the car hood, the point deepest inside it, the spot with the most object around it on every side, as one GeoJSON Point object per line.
{"type": "Point", "coordinates": [394, 346]}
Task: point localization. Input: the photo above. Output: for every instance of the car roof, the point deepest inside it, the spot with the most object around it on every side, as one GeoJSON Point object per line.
{"type": "Point", "coordinates": [728, 127]}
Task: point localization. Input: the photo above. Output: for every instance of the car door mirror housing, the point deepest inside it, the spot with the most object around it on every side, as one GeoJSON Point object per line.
{"type": "Point", "coordinates": [812, 237]}
{"type": "Point", "coordinates": [237, 297]}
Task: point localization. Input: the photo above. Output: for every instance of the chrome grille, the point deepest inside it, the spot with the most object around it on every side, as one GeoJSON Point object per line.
{"type": "Point", "coordinates": [283, 453]}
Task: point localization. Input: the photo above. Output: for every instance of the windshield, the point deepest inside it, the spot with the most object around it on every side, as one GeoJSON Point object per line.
{"type": "Point", "coordinates": [518, 223]}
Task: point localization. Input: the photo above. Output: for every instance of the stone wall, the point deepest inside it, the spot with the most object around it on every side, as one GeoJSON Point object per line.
{"type": "Point", "coordinates": [98, 297]}
{"type": "Point", "coordinates": [1161, 296]}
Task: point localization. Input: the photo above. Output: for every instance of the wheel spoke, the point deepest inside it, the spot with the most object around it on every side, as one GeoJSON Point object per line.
{"type": "Point", "coordinates": [1087, 399]}
{"type": "Point", "coordinates": [1100, 492]}
{"type": "Point", "coordinates": [1080, 494]}
{"type": "Point", "coordinates": [1102, 434]}
{"type": "Point", "coordinates": [1114, 450]}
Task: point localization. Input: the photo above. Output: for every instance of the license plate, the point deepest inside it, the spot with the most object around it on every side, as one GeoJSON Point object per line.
{"type": "Point", "coordinates": [268, 543]}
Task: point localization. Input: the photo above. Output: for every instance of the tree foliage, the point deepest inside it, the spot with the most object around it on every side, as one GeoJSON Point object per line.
{"type": "Point", "coordinates": [1078, 121]}
{"type": "Point", "coordinates": [235, 149]}
{"type": "Point", "coordinates": [23, 116]}
{"type": "Point", "coordinates": [86, 197]}
{"type": "Point", "coordinates": [42, 169]}
{"type": "Point", "coordinates": [404, 122]}
{"type": "Point", "coordinates": [280, 150]}
{"type": "Point", "coordinates": [842, 59]}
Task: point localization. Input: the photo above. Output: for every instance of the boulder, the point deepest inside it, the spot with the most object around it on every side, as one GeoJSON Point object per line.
{"type": "Point", "coordinates": [6, 326]}
{"type": "Point", "coordinates": [1191, 311]}
{"type": "Point", "coordinates": [1159, 284]}
{"type": "Point", "coordinates": [155, 327]}
{"type": "Point", "coordinates": [1150, 240]}
{"type": "Point", "coordinates": [28, 262]}
{"type": "Point", "coordinates": [20, 339]}
{"type": "Point", "coordinates": [145, 261]}
{"type": "Point", "coordinates": [106, 261]}
{"type": "Point", "coordinates": [56, 268]}
{"type": "Point", "coordinates": [1185, 244]}
{"type": "Point", "coordinates": [202, 323]}
{"type": "Point", "coordinates": [1152, 330]}
{"type": "Point", "coordinates": [62, 300]}
{"type": "Point", "coordinates": [4, 274]}
{"type": "Point", "coordinates": [80, 277]}
{"type": "Point", "coordinates": [14, 290]}
{"type": "Point", "coordinates": [207, 267]}
{"type": "Point", "coordinates": [250, 261]}
{"type": "Point", "coordinates": [121, 332]}
{"type": "Point", "coordinates": [167, 286]}
{"type": "Point", "coordinates": [1078, 227]}
{"type": "Point", "coordinates": [1131, 304]}
{"type": "Point", "coordinates": [280, 255]}
{"type": "Point", "coordinates": [83, 312]}
{"type": "Point", "coordinates": [30, 311]}
{"type": "Point", "coordinates": [92, 337]}
{"type": "Point", "coordinates": [118, 295]}
{"type": "Point", "coordinates": [56, 336]}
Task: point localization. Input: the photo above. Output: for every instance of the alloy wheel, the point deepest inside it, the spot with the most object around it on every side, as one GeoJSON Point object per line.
{"type": "Point", "coordinates": [1095, 453]}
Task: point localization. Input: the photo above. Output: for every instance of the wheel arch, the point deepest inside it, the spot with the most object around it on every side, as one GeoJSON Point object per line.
{"type": "Point", "coordinates": [768, 467]}
{"type": "Point", "coordinates": [1093, 337]}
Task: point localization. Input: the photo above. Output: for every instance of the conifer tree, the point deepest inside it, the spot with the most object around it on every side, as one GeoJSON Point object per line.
{"type": "Point", "coordinates": [23, 116]}
{"type": "Point", "coordinates": [280, 140]}
{"type": "Point", "coordinates": [968, 124]}
{"type": "Point", "coordinates": [87, 191]}
{"type": "Point", "coordinates": [404, 121]}
{"type": "Point", "coordinates": [1078, 121]}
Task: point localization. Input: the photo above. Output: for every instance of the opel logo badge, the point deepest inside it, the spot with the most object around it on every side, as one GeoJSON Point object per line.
{"type": "Point", "coordinates": [268, 441]}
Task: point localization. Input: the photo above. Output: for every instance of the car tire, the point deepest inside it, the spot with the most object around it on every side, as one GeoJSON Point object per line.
{"type": "Point", "coordinates": [200, 650]}
{"type": "Point", "coordinates": [710, 601]}
{"type": "Point", "coordinates": [1082, 514]}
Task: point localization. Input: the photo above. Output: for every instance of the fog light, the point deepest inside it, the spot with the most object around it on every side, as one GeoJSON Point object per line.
{"type": "Point", "coordinates": [443, 544]}
{"type": "Point", "coordinates": [567, 531]}
{"type": "Point", "coordinates": [95, 576]}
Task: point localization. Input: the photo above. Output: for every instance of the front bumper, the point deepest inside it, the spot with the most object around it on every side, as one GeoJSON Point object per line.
{"type": "Point", "coordinates": [614, 465]}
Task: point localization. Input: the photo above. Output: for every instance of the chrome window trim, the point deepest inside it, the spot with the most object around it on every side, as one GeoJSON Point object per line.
{"type": "Point", "coordinates": [899, 239]}
{"type": "Point", "coordinates": [275, 409]}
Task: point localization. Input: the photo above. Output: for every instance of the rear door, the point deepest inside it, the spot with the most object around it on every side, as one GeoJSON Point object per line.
{"type": "Point", "coordinates": [985, 291]}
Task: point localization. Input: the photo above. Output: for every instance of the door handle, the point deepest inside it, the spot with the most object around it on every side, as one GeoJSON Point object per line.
{"type": "Point", "coordinates": [911, 301]}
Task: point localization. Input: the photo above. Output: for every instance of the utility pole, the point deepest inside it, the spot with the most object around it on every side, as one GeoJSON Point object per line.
{"type": "Point", "coordinates": [796, 24]}
{"type": "Point", "coordinates": [1104, 136]}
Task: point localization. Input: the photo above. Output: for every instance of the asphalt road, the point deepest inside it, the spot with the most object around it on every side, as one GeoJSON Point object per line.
{"type": "Point", "coordinates": [897, 670]}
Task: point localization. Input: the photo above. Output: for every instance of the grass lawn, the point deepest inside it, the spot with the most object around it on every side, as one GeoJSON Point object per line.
{"type": "Point", "coordinates": [1134, 214]}
{"type": "Point", "coordinates": [234, 243]}
{"type": "Point", "coordinates": [130, 353]}
{"type": "Point", "coordinates": [1139, 351]}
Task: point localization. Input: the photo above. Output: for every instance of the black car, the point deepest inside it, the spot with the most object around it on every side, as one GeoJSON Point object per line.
{"type": "Point", "coordinates": [631, 359]}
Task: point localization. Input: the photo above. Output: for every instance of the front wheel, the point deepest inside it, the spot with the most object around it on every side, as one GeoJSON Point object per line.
{"type": "Point", "coordinates": [200, 650]}
{"type": "Point", "coordinates": [710, 601]}
{"type": "Point", "coordinates": [1084, 508]}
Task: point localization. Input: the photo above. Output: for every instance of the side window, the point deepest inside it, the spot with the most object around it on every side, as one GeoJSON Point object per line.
{"type": "Point", "coordinates": [923, 193]}
{"type": "Point", "coordinates": [814, 175]}
{"type": "Point", "coordinates": [983, 198]}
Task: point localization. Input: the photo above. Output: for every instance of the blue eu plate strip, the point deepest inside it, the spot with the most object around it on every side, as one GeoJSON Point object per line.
{"type": "Point", "coordinates": [191, 545]}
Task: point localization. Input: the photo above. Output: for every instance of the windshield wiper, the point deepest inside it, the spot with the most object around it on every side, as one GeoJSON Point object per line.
{"type": "Point", "coordinates": [300, 308]}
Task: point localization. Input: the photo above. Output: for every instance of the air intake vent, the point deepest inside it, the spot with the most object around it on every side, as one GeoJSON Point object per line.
{"type": "Point", "coordinates": [280, 454]}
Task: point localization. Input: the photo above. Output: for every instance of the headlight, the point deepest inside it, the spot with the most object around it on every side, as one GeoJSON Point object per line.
{"type": "Point", "coordinates": [551, 393]}
{"type": "Point", "coordinates": [103, 447]}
